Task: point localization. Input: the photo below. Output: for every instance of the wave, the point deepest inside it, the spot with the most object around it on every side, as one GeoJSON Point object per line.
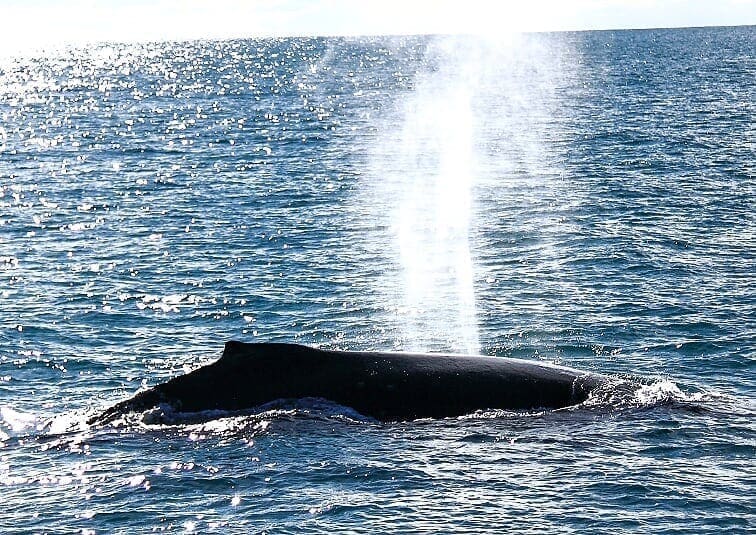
{"type": "Point", "coordinates": [621, 393]}
{"type": "Point", "coordinates": [618, 395]}
{"type": "Point", "coordinates": [280, 409]}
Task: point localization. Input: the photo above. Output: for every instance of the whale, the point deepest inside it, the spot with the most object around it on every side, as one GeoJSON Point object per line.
{"type": "Point", "coordinates": [385, 386]}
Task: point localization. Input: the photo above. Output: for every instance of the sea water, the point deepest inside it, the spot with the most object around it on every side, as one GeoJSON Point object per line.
{"type": "Point", "coordinates": [580, 198]}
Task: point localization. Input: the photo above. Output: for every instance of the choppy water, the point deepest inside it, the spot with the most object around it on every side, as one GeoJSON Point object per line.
{"type": "Point", "coordinates": [583, 198]}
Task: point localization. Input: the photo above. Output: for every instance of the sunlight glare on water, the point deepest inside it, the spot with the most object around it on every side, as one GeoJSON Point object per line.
{"type": "Point", "coordinates": [584, 198]}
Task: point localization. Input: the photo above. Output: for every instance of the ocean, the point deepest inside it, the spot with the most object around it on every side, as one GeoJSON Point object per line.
{"type": "Point", "coordinates": [585, 199]}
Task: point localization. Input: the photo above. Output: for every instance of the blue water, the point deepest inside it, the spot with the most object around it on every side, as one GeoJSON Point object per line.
{"type": "Point", "coordinates": [586, 199]}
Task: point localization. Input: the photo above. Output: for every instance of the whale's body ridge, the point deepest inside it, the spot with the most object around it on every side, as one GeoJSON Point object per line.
{"type": "Point", "coordinates": [387, 386]}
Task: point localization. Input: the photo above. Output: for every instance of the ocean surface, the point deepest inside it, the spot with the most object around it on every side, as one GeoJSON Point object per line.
{"type": "Point", "coordinates": [586, 199]}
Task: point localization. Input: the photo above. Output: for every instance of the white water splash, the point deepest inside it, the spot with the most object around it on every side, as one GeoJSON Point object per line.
{"type": "Point", "coordinates": [619, 393]}
{"type": "Point", "coordinates": [16, 421]}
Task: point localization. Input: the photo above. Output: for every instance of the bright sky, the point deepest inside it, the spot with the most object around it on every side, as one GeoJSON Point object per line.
{"type": "Point", "coordinates": [33, 23]}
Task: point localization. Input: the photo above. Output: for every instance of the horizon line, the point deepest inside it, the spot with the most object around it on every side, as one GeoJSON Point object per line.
{"type": "Point", "coordinates": [74, 43]}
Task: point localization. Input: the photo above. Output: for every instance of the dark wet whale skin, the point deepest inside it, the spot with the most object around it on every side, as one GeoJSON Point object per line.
{"type": "Point", "coordinates": [384, 385]}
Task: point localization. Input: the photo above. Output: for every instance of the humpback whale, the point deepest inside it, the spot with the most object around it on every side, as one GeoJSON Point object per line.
{"type": "Point", "coordinates": [387, 386]}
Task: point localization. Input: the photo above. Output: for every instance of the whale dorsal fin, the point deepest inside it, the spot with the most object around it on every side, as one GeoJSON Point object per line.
{"type": "Point", "coordinates": [234, 348]}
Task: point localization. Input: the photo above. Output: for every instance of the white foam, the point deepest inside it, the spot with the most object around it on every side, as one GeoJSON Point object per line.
{"type": "Point", "coordinates": [661, 391]}
{"type": "Point", "coordinates": [619, 393]}
{"type": "Point", "coordinates": [17, 421]}
{"type": "Point", "coordinates": [220, 421]}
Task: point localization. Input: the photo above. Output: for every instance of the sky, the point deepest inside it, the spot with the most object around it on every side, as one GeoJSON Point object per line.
{"type": "Point", "coordinates": [38, 23]}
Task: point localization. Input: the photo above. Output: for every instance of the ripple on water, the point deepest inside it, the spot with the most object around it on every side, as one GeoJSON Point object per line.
{"type": "Point", "coordinates": [158, 199]}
